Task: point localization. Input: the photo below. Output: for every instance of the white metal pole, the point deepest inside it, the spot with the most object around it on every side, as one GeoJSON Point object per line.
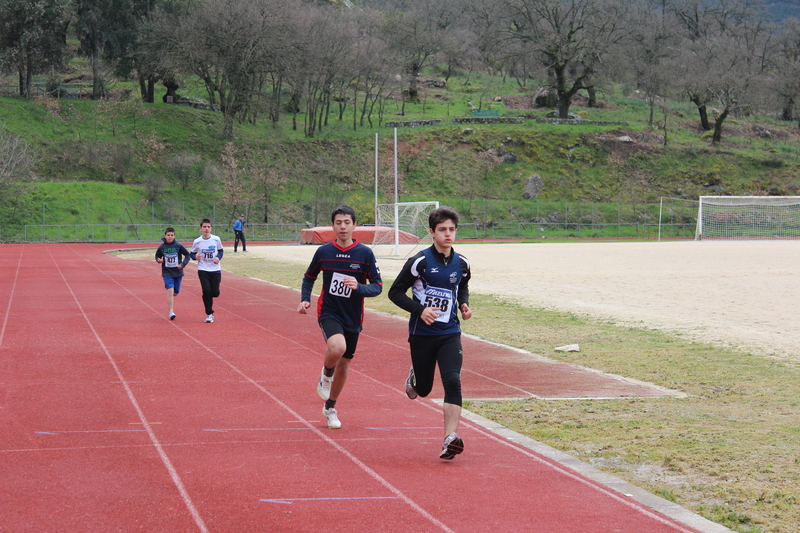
{"type": "Point", "coordinates": [698, 236]}
{"type": "Point", "coordinates": [660, 210]}
{"type": "Point", "coordinates": [396, 199]}
{"type": "Point", "coordinates": [376, 180]}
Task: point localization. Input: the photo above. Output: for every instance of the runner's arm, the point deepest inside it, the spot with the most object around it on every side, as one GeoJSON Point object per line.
{"type": "Point", "coordinates": [375, 286]}
{"type": "Point", "coordinates": [398, 292]}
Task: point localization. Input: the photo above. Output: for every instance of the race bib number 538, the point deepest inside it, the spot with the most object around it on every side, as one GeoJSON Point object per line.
{"type": "Point", "coordinates": [440, 298]}
{"type": "Point", "coordinates": [338, 287]}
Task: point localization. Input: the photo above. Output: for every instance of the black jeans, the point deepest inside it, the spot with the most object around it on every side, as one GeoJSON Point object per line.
{"type": "Point", "coordinates": [239, 237]}
{"type": "Point", "coordinates": [209, 281]}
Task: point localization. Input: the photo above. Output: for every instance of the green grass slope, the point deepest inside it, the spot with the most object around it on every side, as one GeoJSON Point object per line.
{"type": "Point", "coordinates": [482, 169]}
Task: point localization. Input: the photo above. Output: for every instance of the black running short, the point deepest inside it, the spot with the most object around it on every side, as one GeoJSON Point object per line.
{"type": "Point", "coordinates": [332, 327]}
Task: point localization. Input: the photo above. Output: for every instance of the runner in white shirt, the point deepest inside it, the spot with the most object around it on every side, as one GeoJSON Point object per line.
{"type": "Point", "coordinates": [207, 250]}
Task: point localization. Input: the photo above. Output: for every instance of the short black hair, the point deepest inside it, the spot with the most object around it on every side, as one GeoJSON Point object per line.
{"type": "Point", "coordinates": [169, 230]}
{"type": "Point", "coordinates": [344, 210]}
{"type": "Point", "coordinates": [440, 214]}
{"type": "Point", "coordinates": [205, 221]}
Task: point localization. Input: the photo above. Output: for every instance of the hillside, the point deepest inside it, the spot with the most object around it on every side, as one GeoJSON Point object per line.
{"type": "Point", "coordinates": [494, 173]}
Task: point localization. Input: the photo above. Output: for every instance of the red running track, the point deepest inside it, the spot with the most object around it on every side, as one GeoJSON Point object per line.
{"type": "Point", "coordinates": [113, 418]}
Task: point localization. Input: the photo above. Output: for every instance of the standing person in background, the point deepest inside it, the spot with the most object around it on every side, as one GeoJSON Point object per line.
{"type": "Point", "coordinates": [207, 250]}
{"type": "Point", "coordinates": [346, 268]}
{"type": "Point", "coordinates": [439, 281]}
{"type": "Point", "coordinates": [173, 257]}
{"type": "Point", "coordinates": [238, 230]}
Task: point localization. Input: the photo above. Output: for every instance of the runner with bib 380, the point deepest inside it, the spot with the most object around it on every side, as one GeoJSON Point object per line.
{"type": "Point", "coordinates": [349, 274]}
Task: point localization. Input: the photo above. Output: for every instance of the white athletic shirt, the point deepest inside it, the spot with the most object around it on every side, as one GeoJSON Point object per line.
{"type": "Point", "coordinates": [207, 250]}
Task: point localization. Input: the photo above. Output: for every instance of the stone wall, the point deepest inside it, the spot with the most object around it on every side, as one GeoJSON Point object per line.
{"type": "Point", "coordinates": [581, 121]}
{"type": "Point", "coordinates": [413, 123]}
{"type": "Point", "coordinates": [488, 120]}
{"type": "Point", "coordinates": [500, 120]}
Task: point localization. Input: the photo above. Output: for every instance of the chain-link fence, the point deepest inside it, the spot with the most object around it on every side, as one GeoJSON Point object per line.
{"type": "Point", "coordinates": [480, 219]}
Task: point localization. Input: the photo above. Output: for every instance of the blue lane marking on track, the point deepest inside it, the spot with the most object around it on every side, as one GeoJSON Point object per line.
{"type": "Point", "coordinates": [223, 430]}
{"type": "Point", "coordinates": [90, 431]}
{"type": "Point", "coordinates": [289, 501]}
{"type": "Point", "coordinates": [390, 428]}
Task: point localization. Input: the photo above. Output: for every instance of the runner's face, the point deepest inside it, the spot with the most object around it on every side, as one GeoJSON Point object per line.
{"type": "Point", "coordinates": [205, 229]}
{"type": "Point", "coordinates": [443, 235]}
{"type": "Point", "coordinates": [343, 226]}
{"type": "Point", "coordinates": [169, 236]}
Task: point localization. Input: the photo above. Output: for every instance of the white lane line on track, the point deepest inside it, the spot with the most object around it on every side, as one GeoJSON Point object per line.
{"type": "Point", "coordinates": [433, 405]}
{"type": "Point", "coordinates": [369, 471]}
{"type": "Point", "coordinates": [10, 299]}
{"type": "Point", "coordinates": [291, 500]}
{"type": "Point", "coordinates": [187, 500]}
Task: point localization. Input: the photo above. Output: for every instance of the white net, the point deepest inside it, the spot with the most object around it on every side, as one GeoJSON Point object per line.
{"type": "Point", "coordinates": [412, 220]}
{"type": "Point", "coordinates": [748, 217]}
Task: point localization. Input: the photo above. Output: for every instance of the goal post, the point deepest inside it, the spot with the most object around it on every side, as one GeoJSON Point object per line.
{"type": "Point", "coordinates": [395, 222]}
{"type": "Point", "coordinates": [748, 217]}
{"type": "Point", "coordinates": [677, 218]}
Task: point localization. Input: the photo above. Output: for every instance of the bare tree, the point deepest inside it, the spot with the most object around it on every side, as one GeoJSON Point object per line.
{"type": "Point", "coordinates": [569, 39]}
{"type": "Point", "coordinates": [785, 81]}
{"type": "Point", "coordinates": [187, 169]}
{"type": "Point", "coordinates": [734, 31]}
{"type": "Point", "coordinates": [17, 160]}
{"type": "Point", "coordinates": [416, 34]}
{"type": "Point", "coordinates": [726, 64]}
{"type": "Point", "coordinates": [459, 51]}
{"type": "Point", "coordinates": [326, 63]}
{"type": "Point", "coordinates": [232, 46]}
{"type": "Point", "coordinates": [372, 72]}
{"type": "Point", "coordinates": [645, 54]}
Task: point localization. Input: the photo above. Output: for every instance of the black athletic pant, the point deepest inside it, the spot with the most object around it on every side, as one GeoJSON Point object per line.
{"type": "Point", "coordinates": [426, 351]}
{"type": "Point", "coordinates": [209, 281]}
{"type": "Point", "coordinates": [239, 237]}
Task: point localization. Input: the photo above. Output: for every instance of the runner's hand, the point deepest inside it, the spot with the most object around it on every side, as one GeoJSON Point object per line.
{"type": "Point", "coordinates": [303, 307]}
{"type": "Point", "coordinates": [429, 315]}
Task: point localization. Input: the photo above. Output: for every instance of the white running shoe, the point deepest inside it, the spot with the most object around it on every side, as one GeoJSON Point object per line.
{"type": "Point", "coordinates": [210, 318]}
{"type": "Point", "coordinates": [324, 385]}
{"type": "Point", "coordinates": [410, 392]}
{"type": "Point", "coordinates": [333, 420]}
{"type": "Point", "coordinates": [172, 315]}
{"type": "Point", "coordinates": [453, 445]}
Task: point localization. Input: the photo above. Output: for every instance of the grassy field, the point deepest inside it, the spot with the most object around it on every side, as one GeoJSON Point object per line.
{"type": "Point", "coordinates": [728, 451]}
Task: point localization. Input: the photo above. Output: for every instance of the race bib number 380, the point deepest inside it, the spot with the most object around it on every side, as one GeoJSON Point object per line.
{"type": "Point", "coordinates": [442, 299]}
{"type": "Point", "coordinates": [338, 287]}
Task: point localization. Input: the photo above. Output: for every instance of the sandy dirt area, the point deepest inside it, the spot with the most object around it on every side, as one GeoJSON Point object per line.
{"type": "Point", "coordinates": [742, 293]}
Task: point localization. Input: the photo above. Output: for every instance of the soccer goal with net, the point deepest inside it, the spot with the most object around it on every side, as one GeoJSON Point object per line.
{"type": "Point", "coordinates": [748, 217]}
{"type": "Point", "coordinates": [402, 223]}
